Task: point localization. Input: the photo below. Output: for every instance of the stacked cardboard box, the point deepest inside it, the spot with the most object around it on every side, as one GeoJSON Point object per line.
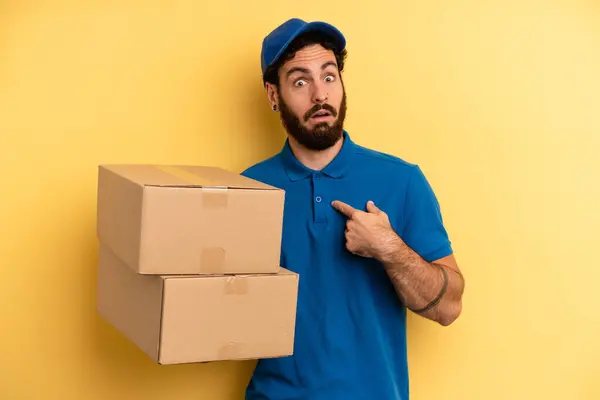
{"type": "Point", "coordinates": [189, 263]}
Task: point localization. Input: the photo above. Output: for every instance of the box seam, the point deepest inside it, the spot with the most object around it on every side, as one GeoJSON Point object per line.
{"type": "Point", "coordinates": [142, 249]}
{"type": "Point", "coordinates": [160, 323]}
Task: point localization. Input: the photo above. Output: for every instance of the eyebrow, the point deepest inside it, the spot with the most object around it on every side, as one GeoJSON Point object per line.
{"type": "Point", "coordinates": [297, 69]}
{"type": "Point", "coordinates": [328, 64]}
{"type": "Point", "coordinates": [306, 71]}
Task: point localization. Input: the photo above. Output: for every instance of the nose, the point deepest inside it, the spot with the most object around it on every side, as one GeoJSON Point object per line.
{"type": "Point", "coordinates": [319, 93]}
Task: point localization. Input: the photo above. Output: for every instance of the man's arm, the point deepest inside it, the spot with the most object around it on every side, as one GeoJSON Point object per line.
{"type": "Point", "coordinates": [433, 290]}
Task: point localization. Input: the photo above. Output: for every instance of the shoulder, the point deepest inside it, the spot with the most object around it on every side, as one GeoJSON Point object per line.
{"type": "Point", "coordinates": [405, 176]}
{"type": "Point", "coordinates": [265, 169]}
{"type": "Point", "coordinates": [420, 218]}
{"type": "Point", "coordinates": [385, 162]}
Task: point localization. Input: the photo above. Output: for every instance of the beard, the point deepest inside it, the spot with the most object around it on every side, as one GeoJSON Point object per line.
{"type": "Point", "coordinates": [322, 136]}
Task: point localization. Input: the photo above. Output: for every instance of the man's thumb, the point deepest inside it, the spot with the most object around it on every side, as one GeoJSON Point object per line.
{"type": "Point", "coordinates": [372, 208]}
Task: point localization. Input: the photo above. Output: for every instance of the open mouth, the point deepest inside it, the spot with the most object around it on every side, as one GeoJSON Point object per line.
{"type": "Point", "coordinates": [321, 114]}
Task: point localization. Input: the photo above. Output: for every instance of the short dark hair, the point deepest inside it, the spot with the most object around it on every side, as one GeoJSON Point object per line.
{"type": "Point", "coordinates": [272, 73]}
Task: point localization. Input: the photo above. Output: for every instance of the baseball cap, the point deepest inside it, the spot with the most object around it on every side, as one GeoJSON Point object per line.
{"type": "Point", "coordinates": [276, 42]}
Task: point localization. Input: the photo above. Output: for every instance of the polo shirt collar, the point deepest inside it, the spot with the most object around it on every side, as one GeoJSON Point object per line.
{"type": "Point", "coordinates": [335, 169]}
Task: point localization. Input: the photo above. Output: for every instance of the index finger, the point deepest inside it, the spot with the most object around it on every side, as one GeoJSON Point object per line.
{"type": "Point", "coordinates": [344, 208]}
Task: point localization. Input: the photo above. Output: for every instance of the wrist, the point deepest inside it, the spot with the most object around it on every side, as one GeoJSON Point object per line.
{"type": "Point", "coordinates": [390, 246]}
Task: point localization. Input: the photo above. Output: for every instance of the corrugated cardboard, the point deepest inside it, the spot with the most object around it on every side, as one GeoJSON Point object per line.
{"type": "Point", "coordinates": [187, 319]}
{"type": "Point", "coordinates": [189, 220]}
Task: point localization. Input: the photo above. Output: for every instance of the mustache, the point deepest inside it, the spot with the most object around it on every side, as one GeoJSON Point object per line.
{"type": "Point", "coordinates": [319, 107]}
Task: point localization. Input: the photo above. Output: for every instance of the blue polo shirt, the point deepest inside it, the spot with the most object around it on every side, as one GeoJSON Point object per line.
{"type": "Point", "coordinates": [350, 338]}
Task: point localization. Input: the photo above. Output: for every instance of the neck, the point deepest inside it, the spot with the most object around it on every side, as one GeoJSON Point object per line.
{"type": "Point", "coordinates": [315, 159]}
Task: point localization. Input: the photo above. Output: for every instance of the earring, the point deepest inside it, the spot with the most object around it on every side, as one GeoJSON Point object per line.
{"type": "Point", "coordinates": [274, 107]}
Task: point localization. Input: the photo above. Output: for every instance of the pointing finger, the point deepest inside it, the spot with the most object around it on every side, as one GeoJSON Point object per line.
{"type": "Point", "coordinates": [372, 208]}
{"type": "Point", "coordinates": [344, 208]}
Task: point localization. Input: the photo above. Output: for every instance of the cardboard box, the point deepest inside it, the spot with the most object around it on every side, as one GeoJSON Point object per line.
{"type": "Point", "coordinates": [189, 220]}
{"type": "Point", "coordinates": [187, 319]}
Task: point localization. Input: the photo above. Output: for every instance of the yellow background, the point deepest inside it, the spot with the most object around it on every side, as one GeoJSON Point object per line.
{"type": "Point", "coordinates": [499, 102]}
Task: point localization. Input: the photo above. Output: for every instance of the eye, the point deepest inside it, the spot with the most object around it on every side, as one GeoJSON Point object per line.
{"type": "Point", "coordinates": [329, 78]}
{"type": "Point", "coordinates": [300, 82]}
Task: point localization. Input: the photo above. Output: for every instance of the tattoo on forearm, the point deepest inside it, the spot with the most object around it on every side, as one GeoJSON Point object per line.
{"type": "Point", "coordinates": [421, 286]}
{"type": "Point", "coordinates": [440, 295]}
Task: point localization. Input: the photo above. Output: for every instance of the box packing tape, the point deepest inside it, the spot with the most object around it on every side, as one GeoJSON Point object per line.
{"type": "Point", "coordinates": [230, 351]}
{"type": "Point", "coordinates": [213, 196]}
{"type": "Point", "coordinates": [237, 285]}
{"type": "Point", "coordinates": [212, 259]}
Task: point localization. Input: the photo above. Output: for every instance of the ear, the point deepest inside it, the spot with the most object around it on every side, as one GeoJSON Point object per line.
{"type": "Point", "coordinates": [273, 96]}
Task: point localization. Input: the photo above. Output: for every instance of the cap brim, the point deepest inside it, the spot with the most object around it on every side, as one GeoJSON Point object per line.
{"type": "Point", "coordinates": [317, 26]}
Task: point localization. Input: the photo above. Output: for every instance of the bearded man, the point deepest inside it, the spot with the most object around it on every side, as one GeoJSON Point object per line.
{"type": "Point", "coordinates": [362, 228]}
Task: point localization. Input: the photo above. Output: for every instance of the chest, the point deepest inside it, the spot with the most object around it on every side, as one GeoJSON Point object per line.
{"type": "Point", "coordinates": [313, 231]}
{"type": "Point", "coordinates": [308, 202]}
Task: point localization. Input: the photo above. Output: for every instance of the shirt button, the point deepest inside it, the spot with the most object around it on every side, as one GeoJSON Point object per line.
{"type": "Point", "coordinates": [318, 199]}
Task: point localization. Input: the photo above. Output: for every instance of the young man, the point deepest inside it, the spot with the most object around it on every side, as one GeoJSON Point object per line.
{"type": "Point", "coordinates": [362, 228]}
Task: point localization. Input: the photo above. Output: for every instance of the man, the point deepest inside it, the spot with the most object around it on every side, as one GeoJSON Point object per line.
{"type": "Point", "coordinates": [362, 228]}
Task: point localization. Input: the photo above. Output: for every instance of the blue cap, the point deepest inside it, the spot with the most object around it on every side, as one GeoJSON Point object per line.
{"type": "Point", "coordinates": [275, 44]}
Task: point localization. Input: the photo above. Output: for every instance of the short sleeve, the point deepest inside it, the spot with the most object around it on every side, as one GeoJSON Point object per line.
{"type": "Point", "coordinates": [423, 229]}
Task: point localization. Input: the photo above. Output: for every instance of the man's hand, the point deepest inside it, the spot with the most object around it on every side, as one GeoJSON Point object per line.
{"type": "Point", "coordinates": [368, 234]}
{"type": "Point", "coordinates": [434, 290]}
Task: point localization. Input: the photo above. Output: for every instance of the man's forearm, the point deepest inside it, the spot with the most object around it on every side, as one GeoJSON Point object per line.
{"type": "Point", "coordinates": [431, 290]}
